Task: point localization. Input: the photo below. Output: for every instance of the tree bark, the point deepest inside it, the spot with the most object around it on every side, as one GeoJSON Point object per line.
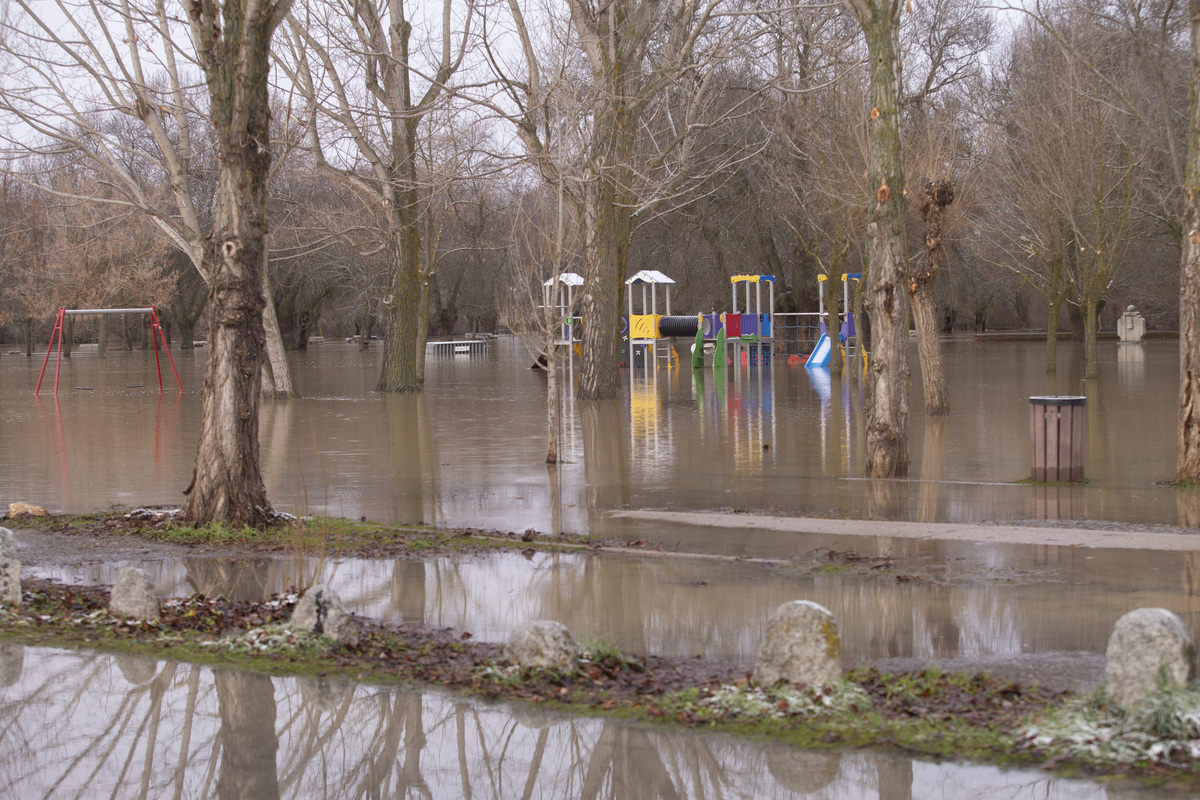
{"type": "Point", "coordinates": [280, 372]}
{"type": "Point", "coordinates": [402, 317]}
{"type": "Point", "coordinates": [884, 297]}
{"type": "Point", "coordinates": [608, 227]}
{"type": "Point", "coordinates": [1187, 468]}
{"type": "Point", "coordinates": [1090, 347]}
{"type": "Point", "coordinates": [233, 49]}
{"type": "Point", "coordinates": [833, 323]}
{"type": "Point", "coordinates": [934, 199]}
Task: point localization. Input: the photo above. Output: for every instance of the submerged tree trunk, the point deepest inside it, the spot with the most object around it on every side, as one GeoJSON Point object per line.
{"type": "Point", "coordinates": [608, 226]}
{"type": "Point", "coordinates": [28, 327]}
{"type": "Point", "coordinates": [102, 336]}
{"type": "Point", "coordinates": [233, 49]}
{"type": "Point", "coordinates": [1090, 348]}
{"type": "Point", "coordinates": [1187, 468]}
{"type": "Point", "coordinates": [402, 315]}
{"type": "Point", "coordinates": [1052, 337]}
{"type": "Point", "coordinates": [934, 199]}
{"type": "Point", "coordinates": [887, 375]}
{"type": "Point", "coordinates": [833, 325]}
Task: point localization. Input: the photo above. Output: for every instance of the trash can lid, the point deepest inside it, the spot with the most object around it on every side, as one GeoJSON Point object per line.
{"type": "Point", "coordinates": [1063, 400]}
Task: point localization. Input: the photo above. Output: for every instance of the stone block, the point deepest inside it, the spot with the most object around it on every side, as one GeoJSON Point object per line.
{"type": "Point", "coordinates": [133, 596]}
{"type": "Point", "coordinates": [10, 569]}
{"type": "Point", "coordinates": [322, 612]}
{"type": "Point", "coordinates": [1145, 644]}
{"type": "Point", "coordinates": [802, 646]}
{"type": "Point", "coordinates": [543, 644]}
{"type": "Point", "coordinates": [25, 509]}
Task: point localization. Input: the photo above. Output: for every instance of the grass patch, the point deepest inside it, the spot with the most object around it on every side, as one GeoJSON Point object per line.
{"type": "Point", "coordinates": [1163, 731]}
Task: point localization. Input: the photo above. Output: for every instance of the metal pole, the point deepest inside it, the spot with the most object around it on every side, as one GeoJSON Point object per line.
{"type": "Point", "coordinates": [49, 346]}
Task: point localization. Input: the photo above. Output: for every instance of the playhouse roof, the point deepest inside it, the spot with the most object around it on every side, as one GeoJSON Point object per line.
{"type": "Point", "coordinates": [569, 278]}
{"type": "Point", "coordinates": [752, 278]}
{"type": "Point", "coordinates": [648, 276]}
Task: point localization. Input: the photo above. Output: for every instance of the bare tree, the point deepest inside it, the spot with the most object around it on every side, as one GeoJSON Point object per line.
{"type": "Point", "coordinates": [1075, 157]}
{"type": "Point", "coordinates": [651, 72]}
{"type": "Point", "coordinates": [111, 85]}
{"type": "Point", "coordinates": [884, 296]}
{"type": "Point", "coordinates": [232, 47]}
{"type": "Point", "coordinates": [374, 124]}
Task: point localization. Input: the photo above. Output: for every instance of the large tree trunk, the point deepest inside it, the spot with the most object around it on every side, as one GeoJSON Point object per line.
{"type": "Point", "coordinates": [934, 199]}
{"type": "Point", "coordinates": [401, 317]}
{"type": "Point", "coordinates": [608, 226]}
{"type": "Point", "coordinates": [1187, 466]}
{"type": "Point", "coordinates": [233, 43]}
{"type": "Point", "coordinates": [885, 298]}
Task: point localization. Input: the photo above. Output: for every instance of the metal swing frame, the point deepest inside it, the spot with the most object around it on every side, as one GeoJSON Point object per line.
{"type": "Point", "coordinates": [155, 328]}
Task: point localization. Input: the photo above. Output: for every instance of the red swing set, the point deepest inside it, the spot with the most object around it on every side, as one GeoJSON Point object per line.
{"type": "Point", "coordinates": [156, 331]}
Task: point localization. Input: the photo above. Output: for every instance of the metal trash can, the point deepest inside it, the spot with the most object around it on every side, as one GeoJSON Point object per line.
{"type": "Point", "coordinates": [1056, 430]}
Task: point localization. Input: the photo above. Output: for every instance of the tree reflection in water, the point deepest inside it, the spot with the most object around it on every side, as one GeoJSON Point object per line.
{"type": "Point", "coordinates": [86, 726]}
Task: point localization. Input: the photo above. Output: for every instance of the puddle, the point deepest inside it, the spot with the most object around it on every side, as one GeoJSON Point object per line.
{"type": "Point", "coordinates": [80, 725]}
{"type": "Point", "coordinates": [934, 600]}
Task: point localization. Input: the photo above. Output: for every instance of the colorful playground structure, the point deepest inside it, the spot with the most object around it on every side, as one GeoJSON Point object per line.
{"type": "Point", "coordinates": [749, 334]}
{"type": "Point", "coordinates": [650, 333]}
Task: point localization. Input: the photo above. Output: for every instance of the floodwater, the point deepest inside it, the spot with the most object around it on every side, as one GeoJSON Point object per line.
{"type": "Point", "coordinates": [470, 452]}
{"type": "Point", "coordinates": [86, 725]}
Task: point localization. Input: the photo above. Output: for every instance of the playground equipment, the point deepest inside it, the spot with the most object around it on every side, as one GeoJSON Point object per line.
{"type": "Point", "coordinates": [562, 301]}
{"type": "Point", "coordinates": [155, 328]}
{"type": "Point", "coordinates": [848, 329]}
{"type": "Point", "coordinates": [753, 328]}
{"type": "Point", "coordinates": [646, 333]}
{"type": "Point", "coordinates": [650, 332]}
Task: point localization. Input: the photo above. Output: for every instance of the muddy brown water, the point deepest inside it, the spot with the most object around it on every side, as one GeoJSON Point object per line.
{"type": "Point", "coordinates": [469, 452]}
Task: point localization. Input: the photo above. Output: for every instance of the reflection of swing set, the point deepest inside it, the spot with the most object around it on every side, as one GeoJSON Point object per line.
{"type": "Point", "coordinates": [156, 332]}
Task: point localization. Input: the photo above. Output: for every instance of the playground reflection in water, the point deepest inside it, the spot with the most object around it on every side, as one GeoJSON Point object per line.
{"type": "Point", "coordinates": [469, 451]}
{"type": "Point", "coordinates": [121, 726]}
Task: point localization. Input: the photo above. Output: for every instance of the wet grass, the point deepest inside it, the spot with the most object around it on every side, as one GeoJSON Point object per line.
{"type": "Point", "coordinates": [309, 535]}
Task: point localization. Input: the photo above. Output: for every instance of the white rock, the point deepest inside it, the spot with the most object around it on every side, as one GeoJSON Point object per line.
{"type": "Point", "coordinates": [802, 646]}
{"type": "Point", "coordinates": [133, 595]}
{"type": "Point", "coordinates": [1147, 643]}
{"type": "Point", "coordinates": [323, 612]}
{"type": "Point", "coordinates": [10, 569]}
{"type": "Point", "coordinates": [542, 643]}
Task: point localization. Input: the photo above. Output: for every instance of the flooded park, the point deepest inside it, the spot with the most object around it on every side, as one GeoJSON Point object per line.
{"type": "Point", "coordinates": [759, 443]}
